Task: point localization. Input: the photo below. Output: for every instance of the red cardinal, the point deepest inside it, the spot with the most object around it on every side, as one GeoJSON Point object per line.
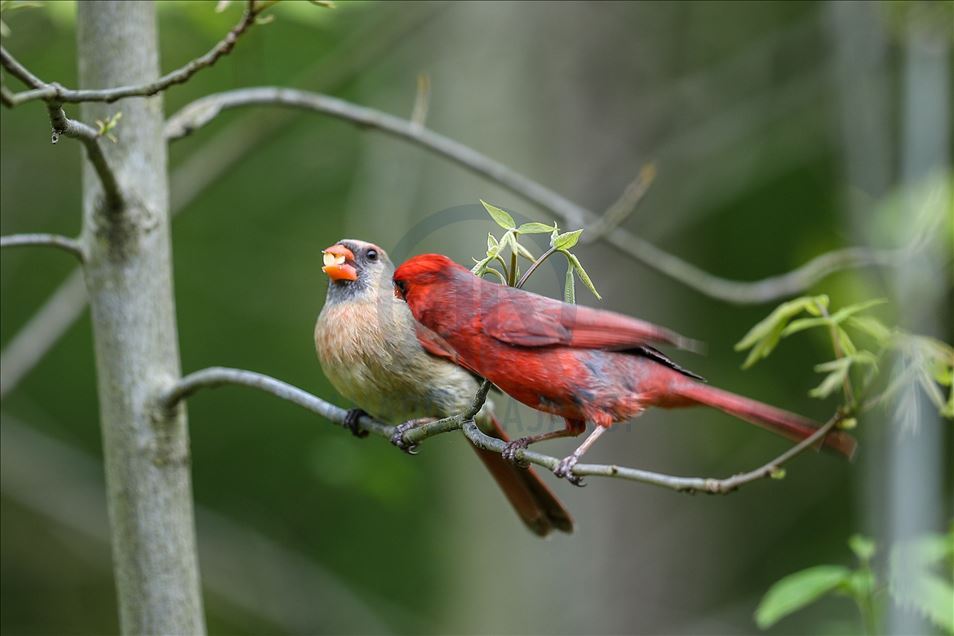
{"type": "Point", "coordinates": [585, 365]}
{"type": "Point", "coordinates": [367, 342]}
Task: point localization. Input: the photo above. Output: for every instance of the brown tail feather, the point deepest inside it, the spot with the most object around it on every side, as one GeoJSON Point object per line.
{"type": "Point", "coordinates": [794, 427]}
{"type": "Point", "coordinates": [533, 501]}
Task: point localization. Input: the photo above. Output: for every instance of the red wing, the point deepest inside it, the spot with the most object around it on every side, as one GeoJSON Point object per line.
{"type": "Point", "coordinates": [437, 346]}
{"type": "Point", "coordinates": [529, 320]}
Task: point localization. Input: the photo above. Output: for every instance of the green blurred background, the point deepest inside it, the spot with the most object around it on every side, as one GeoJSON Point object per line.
{"type": "Point", "coordinates": [778, 131]}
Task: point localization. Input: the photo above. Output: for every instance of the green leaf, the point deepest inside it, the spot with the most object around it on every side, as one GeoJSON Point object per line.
{"type": "Point", "coordinates": [862, 546]}
{"type": "Point", "coordinates": [478, 269]}
{"type": "Point", "coordinates": [797, 590]}
{"type": "Point", "coordinates": [871, 326]}
{"type": "Point", "coordinates": [804, 323]}
{"type": "Point", "coordinates": [846, 312]}
{"type": "Point", "coordinates": [764, 336]}
{"type": "Point", "coordinates": [569, 287]}
{"type": "Point", "coordinates": [524, 252]}
{"type": "Point", "coordinates": [566, 240]}
{"type": "Point", "coordinates": [534, 228]}
{"type": "Point", "coordinates": [847, 346]}
{"type": "Point", "coordinates": [584, 277]}
{"type": "Point", "coordinates": [491, 242]}
{"type": "Point", "coordinates": [500, 217]}
{"type": "Point", "coordinates": [835, 379]}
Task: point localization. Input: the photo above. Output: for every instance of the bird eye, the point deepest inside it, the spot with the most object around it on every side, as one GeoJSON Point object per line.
{"type": "Point", "coordinates": [372, 255]}
{"type": "Point", "coordinates": [400, 289]}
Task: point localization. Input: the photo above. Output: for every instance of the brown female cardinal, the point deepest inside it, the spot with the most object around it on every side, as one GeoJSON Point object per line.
{"type": "Point", "coordinates": [583, 364]}
{"type": "Point", "coordinates": [369, 348]}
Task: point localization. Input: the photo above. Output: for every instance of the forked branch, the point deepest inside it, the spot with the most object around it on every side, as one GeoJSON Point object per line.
{"type": "Point", "coordinates": [53, 92]}
{"type": "Point", "coordinates": [222, 376]}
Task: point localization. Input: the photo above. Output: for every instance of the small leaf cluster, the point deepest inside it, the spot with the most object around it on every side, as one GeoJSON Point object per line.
{"type": "Point", "coordinates": [924, 362]}
{"type": "Point", "coordinates": [509, 274]}
{"type": "Point", "coordinates": [106, 127]}
{"type": "Point", "coordinates": [918, 577]}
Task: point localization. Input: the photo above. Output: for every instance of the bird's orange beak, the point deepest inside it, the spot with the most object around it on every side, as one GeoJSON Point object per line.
{"type": "Point", "coordinates": [336, 263]}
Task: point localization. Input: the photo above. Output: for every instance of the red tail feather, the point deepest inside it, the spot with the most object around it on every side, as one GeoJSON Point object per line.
{"type": "Point", "coordinates": [794, 427]}
{"type": "Point", "coordinates": [536, 504]}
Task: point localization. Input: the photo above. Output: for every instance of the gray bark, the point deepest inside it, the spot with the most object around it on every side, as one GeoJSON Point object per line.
{"type": "Point", "coordinates": [129, 282]}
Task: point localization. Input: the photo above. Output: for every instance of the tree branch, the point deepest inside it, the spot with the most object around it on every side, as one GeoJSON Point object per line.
{"type": "Point", "coordinates": [688, 485]}
{"type": "Point", "coordinates": [221, 376]}
{"type": "Point", "coordinates": [62, 125]}
{"type": "Point", "coordinates": [90, 138]}
{"type": "Point", "coordinates": [202, 111]}
{"type": "Point", "coordinates": [55, 92]}
{"type": "Point", "coordinates": [47, 240]}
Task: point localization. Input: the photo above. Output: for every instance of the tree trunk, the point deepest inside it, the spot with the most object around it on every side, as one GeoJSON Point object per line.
{"type": "Point", "coordinates": [129, 281]}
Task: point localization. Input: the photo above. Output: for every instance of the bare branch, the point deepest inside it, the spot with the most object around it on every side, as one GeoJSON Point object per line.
{"type": "Point", "coordinates": [90, 138]}
{"type": "Point", "coordinates": [48, 240]}
{"type": "Point", "coordinates": [221, 376]}
{"type": "Point", "coordinates": [623, 206]}
{"type": "Point", "coordinates": [688, 485]}
{"type": "Point", "coordinates": [202, 111]}
{"type": "Point", "coordinates": [62, 125]}
{"type": "Point", "coordinates": [55, 92]}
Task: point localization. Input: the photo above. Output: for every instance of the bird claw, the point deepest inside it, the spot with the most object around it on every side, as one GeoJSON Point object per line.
{"type": "Point", "coordinates": [509, 452]}
{"type": "Point", "coordinates": [351, 422]}
{"type": "Point", "coordinates": [397, 438]}
{"type": "Point", "coordinates": [564, 470]}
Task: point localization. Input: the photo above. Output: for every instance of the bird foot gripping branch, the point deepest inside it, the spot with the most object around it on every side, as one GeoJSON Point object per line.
{"type": "Point", "coordinates": [351, 422]}
{"type": "Point", "coordinates": [564, 470]}
{"type": "Point", "coordinates": [510, 452]}
{"type": "Point", "coordinates": [401, 442]}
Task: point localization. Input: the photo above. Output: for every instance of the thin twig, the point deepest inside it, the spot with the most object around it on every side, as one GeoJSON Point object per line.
{"type": "Point", "coordinates": [91, 139]}
{"type": "Point", "coordinates": [625, 205]}
{"type": "Point", "coordinates": [55, 92]}
{"type": "Point", "coordinates": [64, 243]}
{"type": "Point", "coordinates": [221, 376]}
{"type": "Point", "coordinates": [681, 484]}
{"type": "Point", "coordinates": [202, 111]}
{"type": "Point", "coordinates": [534, 265]}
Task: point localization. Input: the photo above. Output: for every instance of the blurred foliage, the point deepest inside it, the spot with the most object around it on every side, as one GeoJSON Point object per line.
{"type": "Point", "coordinates": [918, 575]}
{"type": "Point", "coordinates": [920, 361]}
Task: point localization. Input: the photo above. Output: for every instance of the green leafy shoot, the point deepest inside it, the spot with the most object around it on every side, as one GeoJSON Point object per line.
{"type": "Point", "coordinates": [500, 217]}
{"type": "Point", "coordinates": [106, 127]}
{"type": "Point", "coordinates": [923, 362]}
{"type": "Point", "coordinates": [764, 336]}
{"type": "Point", "coordinates": [798, 590]}
{"type": "Point", "coordinates": [560, 243]}
{"type": "Point", "coordinates": [919, 574]}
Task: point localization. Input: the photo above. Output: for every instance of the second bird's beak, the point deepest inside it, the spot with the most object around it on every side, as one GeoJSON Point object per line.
{"type": "Point", "coordinates": [336, 263]}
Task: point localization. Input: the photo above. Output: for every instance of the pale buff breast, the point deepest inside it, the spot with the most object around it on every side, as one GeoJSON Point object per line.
{"type": "Point", "coordinates": [370, 355]}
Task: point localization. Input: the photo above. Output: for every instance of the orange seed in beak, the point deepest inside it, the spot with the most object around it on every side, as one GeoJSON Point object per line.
{"type": "Point", "coordinates": [336, 265]}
